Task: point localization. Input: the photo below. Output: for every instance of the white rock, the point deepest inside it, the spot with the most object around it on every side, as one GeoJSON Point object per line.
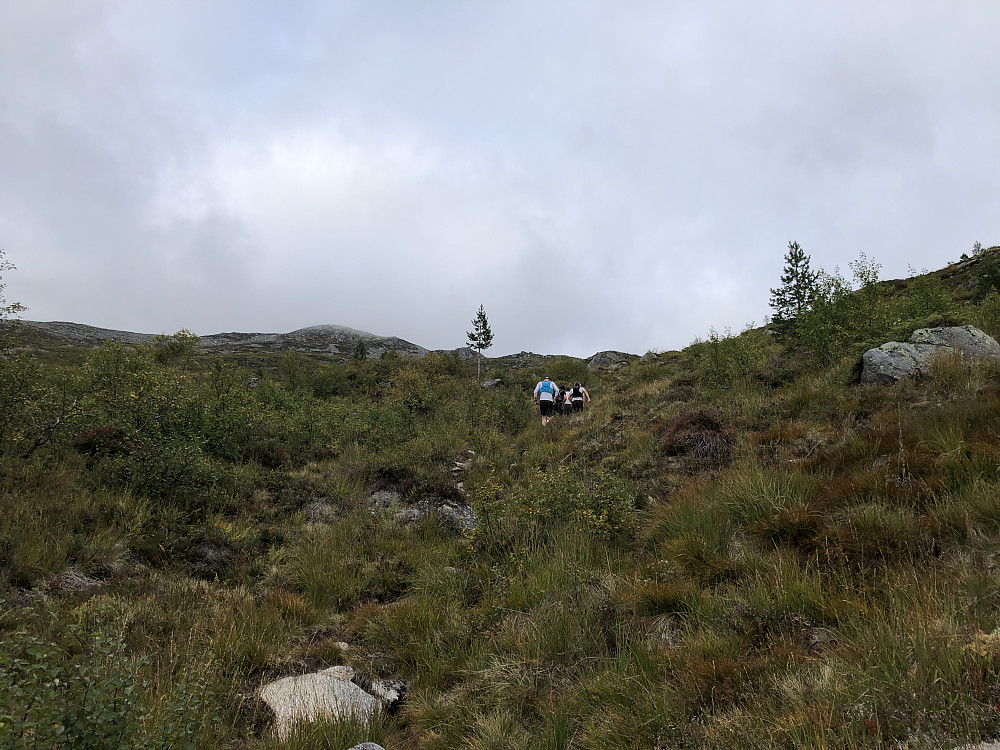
{"type": "Point", "coordinates": [390, 691]}
{"type": "Point", "coordinates": [340, 672]}
{"type": "Point", "coordinates": [312, 696]}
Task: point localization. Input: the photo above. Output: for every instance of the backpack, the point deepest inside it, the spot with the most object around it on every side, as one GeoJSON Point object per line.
{"type": "Point", "coordinates": [577, 393]}
{"type": "Point", "coordinates": [546, 387]}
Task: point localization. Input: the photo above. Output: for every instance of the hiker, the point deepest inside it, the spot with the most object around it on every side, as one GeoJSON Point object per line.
{"type": "Point", "coordinates": [578, 394]}
{"type": "Point", "coordinates": [567, 402]}
{"type": "Point", "coordinates": [561, 401]}
{"type": "Point", "coordinates": [545, 397]}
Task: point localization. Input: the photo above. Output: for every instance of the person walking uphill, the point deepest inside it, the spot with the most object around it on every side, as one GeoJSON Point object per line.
{"type": "Point", "coordinates": [578, 393]}
{"type": "Point", "coordinates": [545, 397]}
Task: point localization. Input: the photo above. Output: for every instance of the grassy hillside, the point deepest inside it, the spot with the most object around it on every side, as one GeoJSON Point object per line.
{"type": "Point", "coordinates": [736, 546]}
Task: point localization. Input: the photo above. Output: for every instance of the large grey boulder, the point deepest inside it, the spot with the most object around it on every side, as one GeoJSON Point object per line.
{"type": "Point", "coordinates": [969, 340]}
{"type": "Point", "coordinates": [326, 694]}
{"type": "Point", "coordinates": [895, 360]}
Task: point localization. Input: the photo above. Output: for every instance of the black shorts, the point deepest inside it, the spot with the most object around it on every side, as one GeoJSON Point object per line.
{"type": "Point", "coordinates": [578, 405]}
{"type": "Point", "coordinates": [546, 408]}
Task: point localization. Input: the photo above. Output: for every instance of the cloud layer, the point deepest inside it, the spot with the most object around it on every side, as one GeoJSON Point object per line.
{"type": "Point", "coordinates": [598, 175]}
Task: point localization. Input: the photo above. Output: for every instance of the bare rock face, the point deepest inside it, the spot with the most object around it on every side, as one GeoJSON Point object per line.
{"type": "Point", "coordinates": [610, 360]}
{"type": "Point", "coordinates": [325, 694]}
{"type": "Point", "coordinates": [895, 360]}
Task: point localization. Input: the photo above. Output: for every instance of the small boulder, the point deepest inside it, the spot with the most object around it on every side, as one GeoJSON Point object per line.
{"type": "Point", "coordinates": [461, 516]}
{"type": "Point", "coordinates": [367, 746]}
{"type": "Point", "coordinates": [312, 696]}
{"type": "Point", "coordinates": [491, 383]}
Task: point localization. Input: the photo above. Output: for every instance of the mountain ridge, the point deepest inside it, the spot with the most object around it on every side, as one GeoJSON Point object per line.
{"type": "Point", "coordinates": [321, 340]}
{"type": "Point", "coordinates": [318, 339]}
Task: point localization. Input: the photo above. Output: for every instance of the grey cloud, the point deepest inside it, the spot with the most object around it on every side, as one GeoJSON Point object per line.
{"type": "Point", "coordinates": [390, 165]}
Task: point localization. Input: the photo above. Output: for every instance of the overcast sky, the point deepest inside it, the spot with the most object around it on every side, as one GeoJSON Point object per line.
{"type": "Point", "coordinates": [614, 174]}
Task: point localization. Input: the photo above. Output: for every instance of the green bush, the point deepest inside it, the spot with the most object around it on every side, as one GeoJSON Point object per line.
{"type": "Point", "coordinates": [603, 503]}
{"type": "Point", "coordinates": [726, 361]}
{"type": "Point", "coordinates": [85, 690]}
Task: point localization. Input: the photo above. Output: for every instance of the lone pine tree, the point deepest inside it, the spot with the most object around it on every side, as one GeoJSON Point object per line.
{"type": "Point", "coordinates": [797, 291]}
{"type": "Point", "coordinates": [480, 337]}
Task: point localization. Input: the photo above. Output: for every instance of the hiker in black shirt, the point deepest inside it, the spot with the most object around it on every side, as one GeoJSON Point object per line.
{"type": "Point", "coordinates": [579, 394]}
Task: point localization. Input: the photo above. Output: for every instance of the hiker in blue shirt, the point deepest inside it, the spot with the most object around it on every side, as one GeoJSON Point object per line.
{"type": "Point", "coordinates": [545, 397]}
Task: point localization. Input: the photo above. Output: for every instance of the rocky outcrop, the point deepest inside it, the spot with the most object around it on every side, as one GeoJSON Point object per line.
{"type": "Point", "coordinates": [610, 360]}
{"type": "Point", "coordinates": [895, 360]}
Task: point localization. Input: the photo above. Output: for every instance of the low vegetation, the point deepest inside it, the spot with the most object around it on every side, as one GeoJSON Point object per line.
{"type": "Point", "coordinates": [737, 546]}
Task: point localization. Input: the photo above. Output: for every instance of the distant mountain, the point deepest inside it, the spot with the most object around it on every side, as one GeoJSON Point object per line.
{"type": "Point", "coordinates": [324, 339]}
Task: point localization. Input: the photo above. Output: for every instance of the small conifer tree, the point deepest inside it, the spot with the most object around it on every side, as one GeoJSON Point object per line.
{"type": "Point", "coordinates": [360, 351]}
{"type": "Point", "coordinates": [8, 310]}
{"type": "Point", "coordinates": [480, 337]}
{"type": "Point", "coordinates": [797, 291]}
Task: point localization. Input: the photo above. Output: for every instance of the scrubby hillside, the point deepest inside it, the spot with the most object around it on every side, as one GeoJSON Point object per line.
{"type": "Point", "coordinates": [736, 545]}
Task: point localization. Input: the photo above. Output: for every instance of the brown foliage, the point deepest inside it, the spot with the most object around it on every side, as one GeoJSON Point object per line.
{"type": "Point", "coordinates": [700, 437]}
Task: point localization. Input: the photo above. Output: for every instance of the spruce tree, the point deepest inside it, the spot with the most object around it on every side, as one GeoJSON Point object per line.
{"type": "Point", "coordinates": [480, 337]}
{"type": "Point", "coordinates": [797, 291]}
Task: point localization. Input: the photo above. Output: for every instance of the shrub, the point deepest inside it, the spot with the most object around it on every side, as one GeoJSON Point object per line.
{"type": "Point", "coordinates": [698, 435]}
{"type": "Point", "coordinates": [603, 503]}
{"type": "Point", "coordinates": [672, 597]}
{"type": "Point", "coordinates": [727, 361]}
{"type": "Point", "coordinates": [84, 691]}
